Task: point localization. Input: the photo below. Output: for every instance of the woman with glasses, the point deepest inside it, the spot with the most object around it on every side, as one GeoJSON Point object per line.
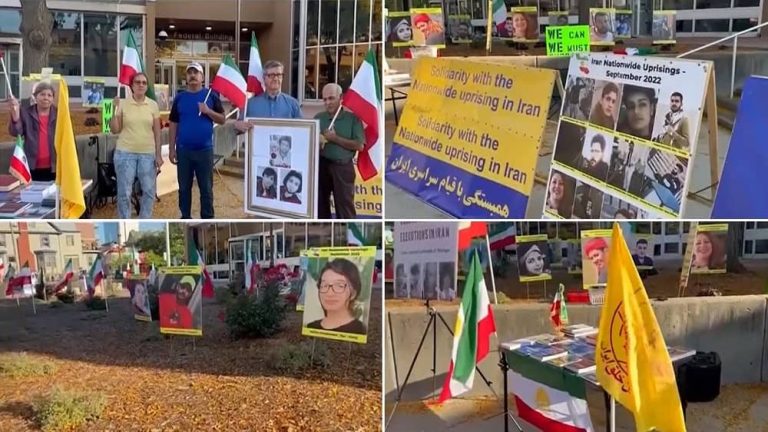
{"type": "Point", "coordinates": [339, 287]}
{"type": "Point", "coordinates": [137, 121]}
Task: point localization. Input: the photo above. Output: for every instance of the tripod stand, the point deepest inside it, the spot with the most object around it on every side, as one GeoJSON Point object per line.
{"type": "Point", "coordinates": [431, 324]}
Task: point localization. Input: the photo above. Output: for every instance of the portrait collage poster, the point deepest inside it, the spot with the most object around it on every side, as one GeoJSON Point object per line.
{"type": "Point", "coordinates": [626, 137]}
{"type": "Point", "coordinates": [602, 26]}
{"type": "Point", "coordinates": [460, 28]}
{"type": "Point", "coordinates": [281, 168]}
{"type": "Point", "coordinates": [663, 29]}
{"type": "Point", "coordinates": [337, 298]}
{"type": "Point", "coordinates": [181, 300]}
{"type": "Point", "coordinates": [709, 249]}
{"type": "Point", "coordinates": [400, 32]}
{"type": "Point", "coordinates": [93, 92]}
{"type": "Point", "coordinates": [428, 27]}
{"type": "Point", "coordinates": [139, 289]}
{"type": "Point", "coordinates": [425, 260]}
{"type": "Point", "coordinates": [533, 258]}
{"type": "Point", "coordinates": [595, 245]}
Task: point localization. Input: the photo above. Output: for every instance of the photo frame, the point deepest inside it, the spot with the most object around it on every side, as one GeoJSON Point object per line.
{"type": "Point", "coordinates": [281, 168]}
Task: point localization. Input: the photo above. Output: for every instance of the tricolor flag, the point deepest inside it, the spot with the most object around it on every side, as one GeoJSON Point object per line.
{"type": "Point", "coordinates": [152, 279]}
{"type": "Point", "coordinates": [250, 268]}
{"type": "Point", "coordinates": [229, 82]}
{"type": "Point", "coordinates": [95, 275]}
{"type": "Point", "coordinates": [499, 14]}
{"type": "Point", "coordinates": [19, 165]}
{"type": "Point", "coordinates": [195, 258]}
{"type": "Point", "coordinates": [472, 334]}
{"type": "Point", "coordinates": [69, 271]}
{"type": "Point", "coordinates": [18, 281]}
{"type": "Point", "coordinates": [502, 234]}
{"type": "Point", "coordinates": [547, 398]}
{"type": "Point", "coordinates": [132, 64]}
{"type": "Point", "coordinates": [354, 235]}
{"type": "Point", "coordinates": [558, 312]}
{"type": "Point", "coordinates": [468, 231]}
{"type": "Point", "coordinates": [364, 100]}
{"type": "Point", "coordinates": [255, 69]}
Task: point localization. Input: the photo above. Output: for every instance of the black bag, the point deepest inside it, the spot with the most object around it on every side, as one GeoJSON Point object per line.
{"type": "Point", "coordinates": [701, 377]}
{"type": "Point", "coordinates": [107, 180]}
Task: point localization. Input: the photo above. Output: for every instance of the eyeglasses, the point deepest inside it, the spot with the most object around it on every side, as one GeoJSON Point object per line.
{"type": "Point", "coordinates": [140, 82]}
{"type": "Point", "coordinates": [337, 288]}
{"type": "Point", "coordinates": [274, 75]}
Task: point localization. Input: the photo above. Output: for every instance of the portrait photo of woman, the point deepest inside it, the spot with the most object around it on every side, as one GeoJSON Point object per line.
{"type": "Point", "coordinates": [339, 287]}
{"type": "Point", "coordinates": [290, 191]}
{"type": "Point", "coordinates": [560, 195]}
{"type": "Point", "coordinates": [524, 25]}
{"type": "Point", "coordinates": [140, 300]}
{"type": "Point", "coordinates": [532, 260]}
{"type": "Point", "coordinates": [709, 252]}
{"type": "Point", "coordinates": [401, 33]}
{"type": "Point", "coordinates": [266, 183]}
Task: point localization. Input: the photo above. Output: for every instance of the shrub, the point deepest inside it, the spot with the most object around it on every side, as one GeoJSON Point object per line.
{"type": "Point", "coordinates": [256, 316]}
{"type": "Point", "coordinates": [19, 365]}
{"type": "Point", "coordinates": [95, 303]}
{"type": "Point", "coordinates": [293, 358]}
{"type": "Point", "coordinates": [66, 410]}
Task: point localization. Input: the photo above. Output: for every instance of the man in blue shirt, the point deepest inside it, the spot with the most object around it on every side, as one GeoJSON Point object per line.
{"type": "Point", "coordinates": [192, 117]}
{"type": "Point", "coordinates": [273, 103]}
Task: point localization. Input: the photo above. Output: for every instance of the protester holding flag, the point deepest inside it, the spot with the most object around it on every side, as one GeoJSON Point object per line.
{"type": "Point", "coordinates": [37, 125]}
{"type": "Point", "coordinates": [190, 141]}
{"type": "Point", "coordinates": [272, 103]}
{"type": "Point", "coordinates": [138, 151]}
{"type": "Point", "coordinates": [340, 143]}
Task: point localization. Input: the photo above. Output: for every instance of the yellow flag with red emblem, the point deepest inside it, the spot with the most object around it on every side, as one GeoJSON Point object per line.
{"type": "Point", "coordinates": [633, 363]}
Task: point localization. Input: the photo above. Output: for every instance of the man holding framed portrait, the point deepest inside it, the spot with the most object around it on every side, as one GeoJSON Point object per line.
{"type": "Point", "coordinates": [339, 145]}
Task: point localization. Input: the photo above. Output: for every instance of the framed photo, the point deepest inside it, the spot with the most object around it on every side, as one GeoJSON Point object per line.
{"type": "Point", "coordinates": [93, 92]}
{"type": "Point", "coordinates": [281, 168]}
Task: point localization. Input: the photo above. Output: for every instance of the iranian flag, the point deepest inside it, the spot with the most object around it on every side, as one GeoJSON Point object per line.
{"type": "Point", "coordinates": [499, 12]}
{"type": "Point", "coordinates": [69, 271]}
{"type": "Point", "coordinates": [7, 279]}
{"type": "Point", "coordinates": [355, 235]}
{"type": "Point", "coordinates": [19, 165]}
{"type": "Point", "coordinates": [132, 64]}
{"type": "Point", "coordinates": [230, 83]}
{"type": "Point", "coordinates": [195, 258]}
{"type": "Point", "coordinates": [560, 405]}
{"type": "Point", "coordinates": [152, 279]}
{"type": "Point", "coordinates": [255, 69]}
{"type": "Point", "coordinates": [95, 275]}
{"type": "Point", "coordinates": [364, 100]}
{"type": "Point", "coordinates": [502, 234]}
{"type": "Point", "coordinates": [558, 311]}
{"type": "Point", "coordinates": [250, 276]}
{"type": "Point", "coordinates": [470, 230]}
{"type": "Point", "coordinates": [472, 334]}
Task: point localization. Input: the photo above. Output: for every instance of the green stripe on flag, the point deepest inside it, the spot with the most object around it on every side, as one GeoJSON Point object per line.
{"type": "Point", "coordinates": [547, 374]}
{"type": "Point", "coordinates": [464, 366]}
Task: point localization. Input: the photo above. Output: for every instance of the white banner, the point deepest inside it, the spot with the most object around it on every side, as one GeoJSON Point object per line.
{"type": "Point", "coordinates": [626, 138]}
{"type": "Point", "coordinates": [425, 260]}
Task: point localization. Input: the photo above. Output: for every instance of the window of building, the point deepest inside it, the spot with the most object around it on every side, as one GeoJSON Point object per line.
{"type": "Point", "coordinates": [2, 240]}
{"type": "Point", "coordinates": [656, 227]}
{"type": "Point", "coordinates": [222, 234]}
{"type": "Point", "coordinates": [66, 49]}
{"type": "Point", "coordinates": [319, 235]}
{"type": "Point", "coordinates": [45, 241]}
{"type": "Point", "coordinates": [762, 225]}
{"type": "Point", "coordinates": [750, 225]}
{"type": "Point", "coordinates": [748, 247]}
{"type": "Point", "coordinates": [70, 240]}
{"type": "Point", "coordinates": [672, 228]}
{"type": "Point", "coordinates": [671, 248]}
{"type": "Point", "coordinates": [684, 26]}
{"type": "Point", "coordinates": [236, 248]}
{"type": "Point", "coordinates": [295, 239]}
{"type": "Point", "coordinates": [75, 262]}
{"type": "Point", "coordinates": [685, 247]}
{"type": "Point", "coordinates": [10, 21]}
{"type": "Point", "coordinates": [100, 45]}
{"type": "Point", "coordinates": [712, 25]}
{"type": "Point", "coordinates": [761, 246]}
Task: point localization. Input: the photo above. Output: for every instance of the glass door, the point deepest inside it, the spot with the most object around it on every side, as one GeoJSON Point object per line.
{"type": "Point", "coordinates": [12, 49]}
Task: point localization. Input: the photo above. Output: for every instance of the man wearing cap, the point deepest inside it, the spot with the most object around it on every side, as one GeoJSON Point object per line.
{"type": "Point", "coordinates": [190, 141]}
{"type": "Point", "coordinates": [339, 145]}
{"type": "Point", "coordinates": [273, 103]}
{"type": "Point", "coordinates": [597, 252]}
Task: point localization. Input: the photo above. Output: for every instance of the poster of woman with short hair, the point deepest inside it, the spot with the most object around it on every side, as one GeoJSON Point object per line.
{"type": "Point", "coordinates": [181, 303]}
{"type": "Point", "coordinates": [337, 293]}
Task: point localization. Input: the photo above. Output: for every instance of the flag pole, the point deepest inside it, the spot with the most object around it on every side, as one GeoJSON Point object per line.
{"type": "Point", "coordinates": [5, 72]}
{"type": "Point", "coordinates": [34, 308]}
{"type": "Point", "coordinates": [333, 120]}
{"type": "Point", "coordinates": [199, 113]}
{"type": "Point", "coordinates": [168, 244]}
{"type": "Point", "coordinates": [488, 27]}
{"type": "Point", "coordinates": [490, 267]}
{"type": "Point", "coordinates": [613, 415]}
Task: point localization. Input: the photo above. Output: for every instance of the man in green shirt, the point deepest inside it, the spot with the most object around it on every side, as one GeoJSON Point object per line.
{"type": "Point", "coordinates": [339, 145]}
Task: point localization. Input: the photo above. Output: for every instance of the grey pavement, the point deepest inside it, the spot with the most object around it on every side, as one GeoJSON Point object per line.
{"type": "Point", "coordinates": [400, 204]}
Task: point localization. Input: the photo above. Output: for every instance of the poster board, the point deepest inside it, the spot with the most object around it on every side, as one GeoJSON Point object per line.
{"type": "Point", "coordinates": [163, 98]}
{"type": "Point", "coordinates": [400, 32]}
{"type": "Point", "coordinates": [469, 136]}
{"type": "Point", "coordinates": [338, 296]}
{"type": "Point", "coordinates": [107, 112]}
{"type": "Point", "coordinates": [428, 27]}
{"type": "Point", "coordinates": [533, 258]}
{"type": "Point", "coordinates": [625, 133]}
{"type": "Point", "coordinates": [460, 29]}
{"type": "Point", "coordinates": [180, 300]}
{"type": "Point", "coordinates": [602, 22]}
{"type": "Point", "coordinates": [368, 196]}
{"type": "Point", "coordinates": [562, 41]}
{"type": "Point", "coordinates": [738, 194]}
{"type": "Point", "coordinates": [525, 24]}
{"type": "Point", "coordinates": [709, 249]}
{"type": "Point", "coordinates": [138, 287]}
{"type": "Point", "coordinates": [93, 92]}
{"type": "Point", "coordinates": [623, 24]}
{"type": "Point", "coordinates": [595, 247]}
{"type": "Point", "coordinates": [425, 260]}
{"type": "Point", "coordinates": [663, 27]}
{"type": "Point", "coordinates": [281, 168]}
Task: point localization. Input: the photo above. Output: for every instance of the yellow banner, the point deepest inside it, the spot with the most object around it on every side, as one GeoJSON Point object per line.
{"type": "Point", "coordinates": [180, 332]}
{"type": "Point", "coordinates": [368, 195]}
{"type": "Point", "coordinates": [339, 336]}
{"type": "Point", "coordinates": [484, 118]}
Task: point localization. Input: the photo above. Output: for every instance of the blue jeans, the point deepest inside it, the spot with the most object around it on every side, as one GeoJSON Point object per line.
{"type": "Point", "coordinates": [191, 164]}
{"type": "Point", "coordinates": [128, 166]}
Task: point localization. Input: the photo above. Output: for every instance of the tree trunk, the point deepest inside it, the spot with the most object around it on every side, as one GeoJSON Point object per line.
{"type": "Point", "coordinates": [36, 27]}
{"type": "Point", "coordinates": [735, 240]}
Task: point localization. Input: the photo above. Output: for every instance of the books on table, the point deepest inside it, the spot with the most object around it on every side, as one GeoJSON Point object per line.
{"type": "Point", "coordinates": [13, 209]}
{"type": "Point", "coordinates": [36, 192]}
{"type": "Point", "coordinates": [8, 182]}
{"type": "Point", "coordinates": [543, 353]}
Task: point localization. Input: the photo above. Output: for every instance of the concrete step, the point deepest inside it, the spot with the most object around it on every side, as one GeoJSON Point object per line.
{"type": "Point", "coordinates": [233, 162]}
{"type": "Point", "coordinates": [231, 171]}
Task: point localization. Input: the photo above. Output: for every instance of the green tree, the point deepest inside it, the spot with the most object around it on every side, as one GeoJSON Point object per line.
{"type": "Point", "coordinates": [178, 253]}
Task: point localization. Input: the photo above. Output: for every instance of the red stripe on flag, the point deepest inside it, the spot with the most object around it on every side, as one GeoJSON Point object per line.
{"type": "Point", "coordinates": [485, 327]}
{"type": "Point", "coordinates": [446, 393]}
{"type": "Point", "coordinates": [19, 170]}
{"type": "Point", "coordinates": [254, 85]}
{"type": "Point", "coordinates": [501, 244]}
{"type": "Point", "coordinates": [368, 114]}
{"type": "Point", "coordinates": [475, 229]}
{"type": "Point", "coordinates": [230, 91]}
{"type": "Point", "coordinates": [542, 422]}
{"type": "Point", "coordinates": [126, 74]}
